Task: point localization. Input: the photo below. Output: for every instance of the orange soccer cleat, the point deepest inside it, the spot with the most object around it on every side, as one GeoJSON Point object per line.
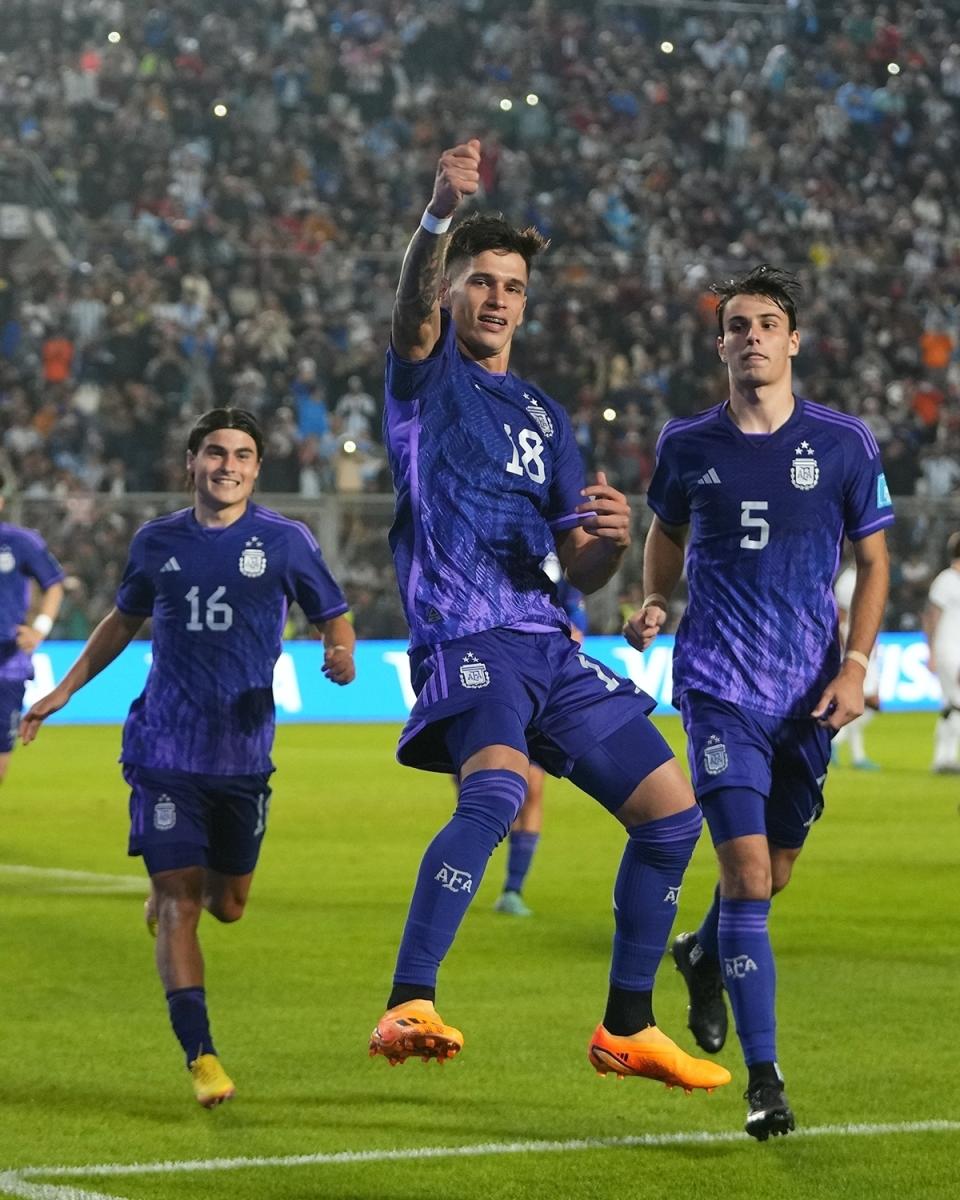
{"type": "Point", "coordinates": [414, 1030]}
{"type": "Point", "coordinates": [653, 1055]}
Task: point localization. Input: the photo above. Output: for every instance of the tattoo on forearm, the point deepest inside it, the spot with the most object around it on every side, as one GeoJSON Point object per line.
{"type": "Point", "coordinates": [420, 278]}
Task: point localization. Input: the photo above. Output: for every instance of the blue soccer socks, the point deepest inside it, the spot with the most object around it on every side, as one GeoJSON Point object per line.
{"type": "Point", "coordinates": [520, 851]}
{"type": "Point", "coordinates": [708, 933]}
{"type": "Point", "coordinates": [749, 975]}
{"type": "Point", "coordinates": [451, 870]}
{"type": "Point", "coordinates": [646, 894]}
{"type": "Point", "coordinates": [188, 1016]}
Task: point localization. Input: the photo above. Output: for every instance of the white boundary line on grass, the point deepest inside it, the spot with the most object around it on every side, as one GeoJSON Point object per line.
{"type": "Point", "coordinates": [84, 880]}
{"type": "Point", "coordinates": [16, 1181]}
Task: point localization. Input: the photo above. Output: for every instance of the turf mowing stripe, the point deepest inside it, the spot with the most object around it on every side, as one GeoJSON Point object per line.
{"type": "Point", "coordinates": [701, 1138]}
{"type": "Point", "coordinates": [133, 883]}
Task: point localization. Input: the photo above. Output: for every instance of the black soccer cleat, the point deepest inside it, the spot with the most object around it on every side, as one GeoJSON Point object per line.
{"type": "Point", "coordinates": [707, 1011]}
{"type": "Point", "coordinates": [769, 1113]}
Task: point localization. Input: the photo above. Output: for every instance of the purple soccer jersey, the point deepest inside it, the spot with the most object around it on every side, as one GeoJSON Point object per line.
{"type": "Point", "coordinates": [23, 556]}
{"type": "Point", "coordinates": [485, 469]}
{"type": "Point", "coordinates": [218, 599]}
{"type": "Point", "coordinates": [767, 519]}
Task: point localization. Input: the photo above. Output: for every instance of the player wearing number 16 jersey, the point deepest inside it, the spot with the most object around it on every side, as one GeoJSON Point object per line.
{"type": "Point", "coordinates": [762, 490]}
{"type": "Point", "coordinates": [216, 579]}
{"type": "Point", "coordinates": [488, 482]}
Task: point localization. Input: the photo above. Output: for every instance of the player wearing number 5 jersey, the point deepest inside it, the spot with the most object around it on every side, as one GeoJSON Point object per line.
{"type": "Point", "coordinates": [489, 482]}
{"type": "Point", "coordinates": [217, 579]}
{"type": "Point", "coordinates": [762, 490]}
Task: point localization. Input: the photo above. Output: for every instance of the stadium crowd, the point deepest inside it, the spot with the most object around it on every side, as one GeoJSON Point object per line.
{"type": "Point", "coordinates": [235, 186]}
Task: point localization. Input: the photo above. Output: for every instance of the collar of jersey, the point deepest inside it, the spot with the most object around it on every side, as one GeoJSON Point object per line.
{"type": "Point", "coordinates": [755, 439]}
{"type": "Point", "coordinates": [216, 530]}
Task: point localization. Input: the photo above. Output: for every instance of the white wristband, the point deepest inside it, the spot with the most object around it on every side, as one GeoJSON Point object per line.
{"type": "Point", "coordinates": [861, 659]}
{"type": "Point", "coordinates": [436, 225]}
{"type": "Point", "coordinates": [42, 624]}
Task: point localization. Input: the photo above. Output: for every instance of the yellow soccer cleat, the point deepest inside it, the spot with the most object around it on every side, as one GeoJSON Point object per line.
{"type": "Point", "coordinates": [211, 1084]}
{"type": "Point", "coordinates": [652, 1055]}
{"type": "Point", "coordinates": [414, 1030]}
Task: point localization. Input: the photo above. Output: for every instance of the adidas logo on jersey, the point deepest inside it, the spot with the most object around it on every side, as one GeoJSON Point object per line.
{"type": "Point", "coordinates": [170, 565]}
{"type": "Point", "coordinates": [711, 476]}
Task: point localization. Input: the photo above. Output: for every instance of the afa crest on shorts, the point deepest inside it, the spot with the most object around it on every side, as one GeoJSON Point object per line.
{"type": "Point", "coordinates": [253, 560]}
{"type": "Point", "coordinates": [804, 470]}
{"type": "Point", "coordinates": [164, 813]}
{"type": "Point", "coordinates": [715, 759]}
{"type": "Point", "coordinates": [473, 673]}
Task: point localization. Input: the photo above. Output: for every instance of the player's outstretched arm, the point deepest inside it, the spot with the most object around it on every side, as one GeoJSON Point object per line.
{"type": "Point", "coordinates": [416, 310]}
{"type": "Point", "coordinates": [111, 636]}
{"type": "Point", "coordinates": [842, 699]}
{"type": "Point", "coordinates": [591, 552]}
{"type": "Point", "coordinates": [339, 640]}
{"type": "Point", "coordinates": [662, 568]}
{"type": "Point", "coordinates": [29, 637]}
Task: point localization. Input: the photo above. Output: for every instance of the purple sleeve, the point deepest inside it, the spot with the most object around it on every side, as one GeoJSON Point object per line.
{"type": "Point", "coordinates": [867, 506]}
{"type": "Point", "coordinates": [667, 496]}
{"type": "Point", "coordinates": [40, 563]}
{"type": "Point", "coordinates": [406, 380]}
{"type": "Point", "coordinates": [567, 480]}
{"type": "Point", "coordinates": [136, 593]}
{"type": "Point", "coordinates": [307, 578]}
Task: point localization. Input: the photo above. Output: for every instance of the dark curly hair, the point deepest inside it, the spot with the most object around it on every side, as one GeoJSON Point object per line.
{"type": "Point", "coordinates": [484, 231]}
{"type": "Point", "coordinates": [780, 286]}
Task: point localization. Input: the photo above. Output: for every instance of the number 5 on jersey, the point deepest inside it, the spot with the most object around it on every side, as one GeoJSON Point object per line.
{"type": "Point", "coordinates": [748, 520]}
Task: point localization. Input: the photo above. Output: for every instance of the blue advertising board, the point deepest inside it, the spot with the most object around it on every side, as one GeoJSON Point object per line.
{"type": "Point", "coordinates": [382, 689]}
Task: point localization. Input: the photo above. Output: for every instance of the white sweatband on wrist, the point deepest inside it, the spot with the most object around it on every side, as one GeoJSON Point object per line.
{"type": "Point", "coordinates": [655, 599]}
{"type": "Point", "coordinates": [435, 225]}
{"type": "Point", "coordinates": [42, 624]}
{"type": "Point", "coordinates": [858, 658]}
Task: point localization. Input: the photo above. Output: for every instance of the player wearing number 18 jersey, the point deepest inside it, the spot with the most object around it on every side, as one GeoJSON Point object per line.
{"type": "Point", "coordinates": [762, 490]}
{"type": "Point", "coordinates": [488, 482]}
{"type": "Point", "coordinates": [217, 579]}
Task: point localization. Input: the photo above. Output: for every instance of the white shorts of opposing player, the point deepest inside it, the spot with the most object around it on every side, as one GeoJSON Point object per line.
{"type": "Point", "coordinates": [946, 737]}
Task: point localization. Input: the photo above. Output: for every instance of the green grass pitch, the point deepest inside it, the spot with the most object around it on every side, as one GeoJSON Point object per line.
{"type": "Point", "coordinates": [866, 938]}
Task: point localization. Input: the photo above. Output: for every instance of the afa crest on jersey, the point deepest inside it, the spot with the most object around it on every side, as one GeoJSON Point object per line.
{"type": "Point", "coordinates": [253, 560]}
{"type": "Point", "coordinates": [540, 415]}
{"type": "Point", "coordinates": [473, 673]}
{"type": "Point", "coordinates": [715, 759]}
{"type": "Point", "coordinates": [8, 562]}
{"type": "Point", "coordinates": [804, 471]}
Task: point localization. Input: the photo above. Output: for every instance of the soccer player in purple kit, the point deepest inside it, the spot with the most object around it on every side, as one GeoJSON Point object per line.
{"type": "Point", "coordinates": [217, 579]}
{"type": "Point", "coordinates": [23, 556]}
{"type": "Point", "coordinates": [766, 485]}
{"type": "Point", "coordinates": [489, 480]}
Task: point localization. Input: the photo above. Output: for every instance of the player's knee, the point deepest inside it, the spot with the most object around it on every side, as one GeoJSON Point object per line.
{"type": "Point", "coordinates": [668, 843]}
{"type": "Point", "coordinates": [225, 908]}
{"type": "Point", "coordinates": [491, 800]}
{"type": "Point", "coordinates": [747, 881]}
{"type": "Point", "coordinates": [781, 868]}
{"type": "Point", "coordinates": [177, 909]}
